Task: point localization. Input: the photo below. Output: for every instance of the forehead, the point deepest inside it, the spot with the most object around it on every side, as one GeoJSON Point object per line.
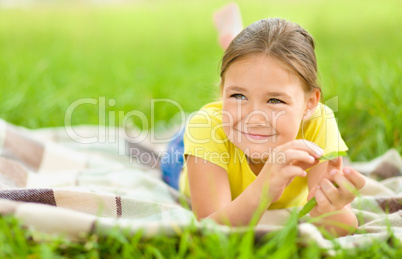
{"type": "Point", "coordinates": [261, 72]}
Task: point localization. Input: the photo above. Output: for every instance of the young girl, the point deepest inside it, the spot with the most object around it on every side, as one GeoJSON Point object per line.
{"type": "Point", "coordinates": [259, 147]}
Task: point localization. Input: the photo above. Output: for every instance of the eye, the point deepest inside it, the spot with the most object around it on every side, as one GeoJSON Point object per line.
{"type": "Point", "coordinates": [275, 101]}
{"type": "Point", "coordinates": [239, 96]}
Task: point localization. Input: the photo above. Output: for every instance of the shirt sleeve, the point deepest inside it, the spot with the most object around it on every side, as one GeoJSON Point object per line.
{"type": "Point", "coordinates": [204, 138]}
{"type": "Point", "coordinates": [322, 129]}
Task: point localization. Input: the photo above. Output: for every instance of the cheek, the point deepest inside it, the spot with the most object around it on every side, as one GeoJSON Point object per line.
{"type": "Point", "coordinates": [231, 120]}
{"type": "Point", "coordinates": [228, 122]}
{"type": "Point", "coordinates": [230, 112]}
{"type": "Point", "coordinates": [288, 123]}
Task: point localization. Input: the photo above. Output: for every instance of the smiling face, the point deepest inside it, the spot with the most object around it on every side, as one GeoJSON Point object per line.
{"type": "Point", "coordinates": [263, 105]}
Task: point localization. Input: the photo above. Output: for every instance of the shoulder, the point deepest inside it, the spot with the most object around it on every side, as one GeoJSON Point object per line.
{"type": "Point", "coordinates": [319, 119]}
{"type": "Point", "coordinates": [322, 129]}
{"type": "Point", "coordinates": [205, 125]}
{"type": "Point", "coordinates": [211, 112]}
{"type": "Point", "coordinates": [204, 136]}
{"type": "Point", "coordinates": [322, 112]}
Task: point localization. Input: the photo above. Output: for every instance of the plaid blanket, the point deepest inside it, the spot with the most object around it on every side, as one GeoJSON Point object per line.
{"type": "Point", "coordinates": [87, 180]}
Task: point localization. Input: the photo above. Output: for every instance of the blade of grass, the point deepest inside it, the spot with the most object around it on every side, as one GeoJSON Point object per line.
{"type": "Point", "coordinates": [333, 155]}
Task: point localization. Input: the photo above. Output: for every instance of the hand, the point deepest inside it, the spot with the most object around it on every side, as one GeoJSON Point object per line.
{"type": "Point", "coordinates": [330, 165]}
{"type": "Point", "coordinates": [293, 158]}
{"type": "Point", "coordinates": [332, 197]}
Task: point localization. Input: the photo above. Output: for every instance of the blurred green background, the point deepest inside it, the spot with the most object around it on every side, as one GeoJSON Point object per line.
{"type": "Point", "coordinates": [54, 54]}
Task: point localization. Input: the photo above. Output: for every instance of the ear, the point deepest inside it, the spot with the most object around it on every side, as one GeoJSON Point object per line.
{"type": "Point", "coordinates": [312, 100]}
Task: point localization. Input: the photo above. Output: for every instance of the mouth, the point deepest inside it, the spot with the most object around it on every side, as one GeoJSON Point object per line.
{"type": "Point", "coordinates": [256, 136]}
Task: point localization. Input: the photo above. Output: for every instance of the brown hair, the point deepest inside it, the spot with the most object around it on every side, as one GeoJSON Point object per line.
{"type": "Point", "coordinates": [280, 39]}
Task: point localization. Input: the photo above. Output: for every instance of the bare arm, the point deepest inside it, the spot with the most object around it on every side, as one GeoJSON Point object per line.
{"type": "Point", "coordinates": [332, 199]}
{"type": "Point", "coordinates": [210, 188]}
{"type": "Point", "coordinates": [211, 196]}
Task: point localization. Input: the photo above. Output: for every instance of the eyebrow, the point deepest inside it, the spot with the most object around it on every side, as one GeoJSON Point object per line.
{"type": "Point", "coordinates": [271, 94]}
{"type": "Point", "coordinates": [237, 88]}
{"type": "Point", "coordinates": [278, 94]}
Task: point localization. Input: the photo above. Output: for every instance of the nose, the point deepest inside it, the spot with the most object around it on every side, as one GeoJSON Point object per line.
{"type": "Point", "coordinates": [257, 118]}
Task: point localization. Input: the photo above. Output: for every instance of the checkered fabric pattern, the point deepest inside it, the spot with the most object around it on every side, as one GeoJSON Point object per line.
{"type": "Point", "coordinates": [62, 186]}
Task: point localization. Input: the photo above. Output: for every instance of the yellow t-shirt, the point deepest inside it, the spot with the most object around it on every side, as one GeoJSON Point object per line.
{"type": "Point", "coordinates": [204, 138]}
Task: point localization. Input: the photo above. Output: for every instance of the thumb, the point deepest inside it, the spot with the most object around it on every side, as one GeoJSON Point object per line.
{"type": "Point", "coordinates": [335, 163]}
{"type": "Point", "coordinates": [311, 193]}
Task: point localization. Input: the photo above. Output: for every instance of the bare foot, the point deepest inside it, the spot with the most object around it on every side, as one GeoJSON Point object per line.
{"type": "Point", "coordinates": [228, 23]}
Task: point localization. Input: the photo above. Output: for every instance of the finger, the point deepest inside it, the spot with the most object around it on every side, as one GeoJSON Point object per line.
{"type": "Point", "coordinates": [293, 171]}
{"type": "Point", "coordinates": [354, 177]}
{"type": "Point", "coordinates": [305, 145]}
{"type": "Point", "coordinates": [335, 163]}
{"type": "Point", "coordinates": [306, 166]}
{"type": "Point", "coordinates": [300, 158]}
{"type": "Point", "coordinates": [290, 172]}
{"type": "Point", "coordinates": [323, 204]}
{"type": "Point", "coordinates": [295, 156]}
{"type": "Point", "coordinates": [311, 193]}
{"type": "Point", "coordinates": [334, 166]}
{"type": "Point", "coordinates": [331, 192]}
{"type": "Point", "coordinates": [346, 187]}
{"type": "Point", "coordinates": [332, 171]}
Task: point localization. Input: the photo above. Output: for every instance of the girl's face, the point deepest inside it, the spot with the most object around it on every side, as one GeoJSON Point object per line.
{"type": "Point", "coordinates": [263, 105]}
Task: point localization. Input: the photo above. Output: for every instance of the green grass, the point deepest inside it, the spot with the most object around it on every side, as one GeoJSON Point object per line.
{"type": "Point", "coordinates": [16, 242]}
{"type": "Point", "coordinates": [51, 56]}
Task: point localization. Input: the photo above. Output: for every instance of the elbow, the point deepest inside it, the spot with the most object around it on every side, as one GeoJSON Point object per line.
{"type": "Point", "coordinates": [339, 225]}
{"type": "Point", "coordinates": [345, 228]}
{"type": "Point", "coordinates": [201, 216]}
{"type": "Point", "coordinates": [217, 218]}
{"type": "Point", "coordinates": [341, 232]}
{"type": "Point", "coordinates": [351, 228]}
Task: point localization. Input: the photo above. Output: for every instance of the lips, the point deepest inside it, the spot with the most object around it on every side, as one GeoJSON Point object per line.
{"type": "Point", "coordinates": [256, 136]}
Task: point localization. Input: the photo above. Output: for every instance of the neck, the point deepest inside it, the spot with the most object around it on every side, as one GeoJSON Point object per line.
{"type": "Point", "coordinates": [255, 166]}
